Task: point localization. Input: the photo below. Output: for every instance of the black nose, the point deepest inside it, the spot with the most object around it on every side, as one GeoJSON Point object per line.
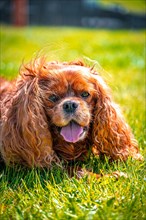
{"type": "Point", "coordinates": [70, 106]}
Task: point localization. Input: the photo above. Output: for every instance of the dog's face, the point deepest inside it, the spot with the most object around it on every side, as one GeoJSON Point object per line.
{"type": "Point", "coordinates": [68, 93]}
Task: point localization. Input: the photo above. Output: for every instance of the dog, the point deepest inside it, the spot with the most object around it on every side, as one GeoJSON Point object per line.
{"type": "Point", "coordinates": [61, 111]}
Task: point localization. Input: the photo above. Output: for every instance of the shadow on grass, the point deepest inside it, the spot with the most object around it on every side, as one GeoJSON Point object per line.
{"type": "Point", "coordinates": [18, 176]}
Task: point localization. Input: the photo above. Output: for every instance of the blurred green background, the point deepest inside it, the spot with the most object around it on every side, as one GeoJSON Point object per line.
{"type": "Point", "coordinates": [131, 5]}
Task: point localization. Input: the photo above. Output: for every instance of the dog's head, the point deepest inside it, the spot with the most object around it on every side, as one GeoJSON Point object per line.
{"type": "Point", "coordinates": [69, 95]}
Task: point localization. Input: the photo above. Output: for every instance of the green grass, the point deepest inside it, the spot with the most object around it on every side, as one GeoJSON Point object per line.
{"type": "Point", "coordinates": [42, 194]}
{"type": "Point", "coordinates": [130, 5]}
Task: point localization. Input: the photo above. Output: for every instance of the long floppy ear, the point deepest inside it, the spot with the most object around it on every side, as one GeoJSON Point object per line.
{"type": "Point", "coordinates": [26, 138]}
{"type": "Point", "coordinates": [111, 134]}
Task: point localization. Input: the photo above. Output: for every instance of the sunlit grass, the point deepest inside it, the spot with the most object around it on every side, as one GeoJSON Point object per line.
{"type": "Point", "coordinates": [43, 194]}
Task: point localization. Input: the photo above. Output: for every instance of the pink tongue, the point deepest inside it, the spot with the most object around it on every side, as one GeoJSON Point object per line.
{"type": "Point", "coordinates": [71, 132]}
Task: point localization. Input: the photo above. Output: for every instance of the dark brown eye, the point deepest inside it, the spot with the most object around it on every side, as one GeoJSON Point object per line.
{"type": "Point", "coordinates": [85, 94]}
{"type": "Point", "coordinates": [53, 98]}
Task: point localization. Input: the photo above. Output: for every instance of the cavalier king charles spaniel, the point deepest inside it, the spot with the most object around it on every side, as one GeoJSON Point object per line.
{"type": "Point", "coordinates": [61, 111]}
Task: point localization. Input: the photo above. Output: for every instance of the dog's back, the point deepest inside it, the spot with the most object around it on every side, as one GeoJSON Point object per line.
{"type": "Point", "coordinates": [6, 90]}
{"type": "Point", "coordinates": [5, 87]}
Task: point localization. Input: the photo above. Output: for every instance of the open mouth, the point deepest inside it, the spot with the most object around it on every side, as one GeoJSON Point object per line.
{"type": "Point", "coordinates": [73, 132]}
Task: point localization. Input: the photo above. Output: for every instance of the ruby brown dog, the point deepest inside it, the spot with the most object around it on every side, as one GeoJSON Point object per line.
{"type": "Point", "coordinates": [61, 111]}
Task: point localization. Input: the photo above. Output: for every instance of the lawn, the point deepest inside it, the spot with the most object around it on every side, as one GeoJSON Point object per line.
{"type": "Point", "coordinates": [50, 194]}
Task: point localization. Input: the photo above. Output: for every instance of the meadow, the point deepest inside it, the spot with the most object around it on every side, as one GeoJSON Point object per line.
{"type": "Point", "coordinates": [50, 194]}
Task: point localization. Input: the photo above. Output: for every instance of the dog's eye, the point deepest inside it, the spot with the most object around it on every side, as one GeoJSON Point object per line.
{"type": "Point", "coordinates": [85, 94]}
{"type": "Point", "coordinates": [53, 98]}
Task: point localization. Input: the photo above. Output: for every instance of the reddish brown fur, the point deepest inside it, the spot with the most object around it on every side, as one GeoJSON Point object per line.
{"type": "Point", "coordinates": [28, 125]}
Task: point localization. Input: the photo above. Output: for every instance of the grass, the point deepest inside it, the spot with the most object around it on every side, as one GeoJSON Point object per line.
{"type": "Point", "coordinates": [133, 6]}
{"type": "Point", "coordinates": [50, 194]}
